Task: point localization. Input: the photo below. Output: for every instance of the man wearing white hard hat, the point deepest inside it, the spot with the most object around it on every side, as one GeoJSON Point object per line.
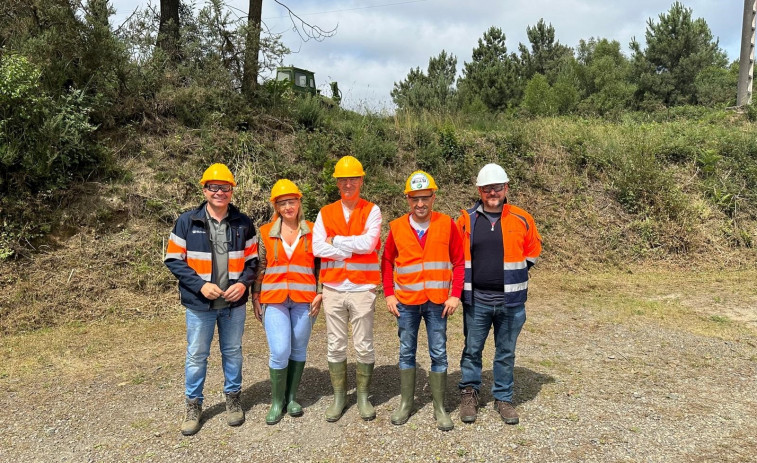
{"type": "Point", "coordinates": [501, 244]}
{"type": "Point", "coordinates": [422, 268]}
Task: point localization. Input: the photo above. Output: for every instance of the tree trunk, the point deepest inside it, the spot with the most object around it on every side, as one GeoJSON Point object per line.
{"type": "Point", "coordinates": [252, 48]}
{"type": "Point", "coordinates": [168, 29]}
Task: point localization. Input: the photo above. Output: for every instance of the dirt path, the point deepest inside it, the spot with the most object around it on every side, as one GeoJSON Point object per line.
{"type": "Point", "coordinates": [610, 367]}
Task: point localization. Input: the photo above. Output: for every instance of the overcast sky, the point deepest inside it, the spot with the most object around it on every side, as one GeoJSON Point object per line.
{"type": "Point", "coordinates": [378, 41]}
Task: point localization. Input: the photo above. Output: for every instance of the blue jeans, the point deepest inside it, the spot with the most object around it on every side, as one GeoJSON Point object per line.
{"type": "Point", "coordinates": [477, 320]}
{"type": "Point", "coordinates": [200, 329]}
{"type": "Point", "coordinates": [436, 330]}
{"type": "Point", "coordinates": [287, 329]}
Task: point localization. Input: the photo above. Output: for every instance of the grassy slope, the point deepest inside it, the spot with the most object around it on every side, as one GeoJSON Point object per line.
{"type": "Point", "coordinates": [672, 194]}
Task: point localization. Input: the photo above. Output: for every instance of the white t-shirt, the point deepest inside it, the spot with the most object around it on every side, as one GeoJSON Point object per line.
{"type": "Point", "coordinates": [420, 228]}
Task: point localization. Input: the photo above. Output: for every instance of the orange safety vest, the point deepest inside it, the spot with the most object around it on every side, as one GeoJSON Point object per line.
{"type": "Point", "coordinates": [287, 277]}
{"type": "Point", "coordinates": [422, 273]}
{"type": "Point", "coordinates": [360, 268]}
{"type": "Point", "coordinates": [522, 245]}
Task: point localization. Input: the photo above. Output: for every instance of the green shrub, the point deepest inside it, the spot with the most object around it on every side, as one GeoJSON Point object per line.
{"type": "Point", "coordinates": [449, 144]}
{"type": "Point", "coordinates": [428, 158]}
{"type": "Point", "coordinates": [45, 142]}
{"type": "Point", "coordinates": [538, 98]}
{"type": "Point", "coordinates": [374, 152]}
{"type": "Point", "coordinates": [308, 112]}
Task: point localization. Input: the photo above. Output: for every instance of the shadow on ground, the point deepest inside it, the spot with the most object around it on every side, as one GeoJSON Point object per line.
{"type": "Point", "coordinates": [528, 384]}
{"type": "Point", "coordinates": [316, 384]}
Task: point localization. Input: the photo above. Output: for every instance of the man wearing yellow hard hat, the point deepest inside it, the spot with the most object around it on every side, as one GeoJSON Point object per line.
{"type": "Point", "coordinates": [347, 237]}
{"type": "Point", "coordinates": [423, 269]}
{"type": "Point", "coordinates": [212, 251]}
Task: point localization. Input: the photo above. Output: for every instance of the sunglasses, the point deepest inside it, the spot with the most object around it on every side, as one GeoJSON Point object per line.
{"type": "Point", "coordinates": [287, 203]}
{"type": "Point", "coordinates": [216, 188]}
{"type": "Point", "coordinates": [489, 188]}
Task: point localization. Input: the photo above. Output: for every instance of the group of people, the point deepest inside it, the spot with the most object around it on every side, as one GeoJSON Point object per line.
{"type": "Point", "coordinates": [292, 268]}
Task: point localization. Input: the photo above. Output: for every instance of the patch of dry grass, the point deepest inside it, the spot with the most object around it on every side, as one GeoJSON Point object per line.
{"type": "Point", "coordinates": [715, 303]}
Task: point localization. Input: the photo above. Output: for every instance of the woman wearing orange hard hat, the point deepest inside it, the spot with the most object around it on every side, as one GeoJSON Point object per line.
{"type": "Point", "coordinates": [285, 295]}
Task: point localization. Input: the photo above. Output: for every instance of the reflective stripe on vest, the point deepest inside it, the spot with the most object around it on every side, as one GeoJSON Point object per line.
{"type": "Point", "coordinates": [422, 273]}
{"type": "Point", "coordinates": [177, 248]}
{"type": "Point", "coordinates": [284, 277]}
{"type": "Point", "coordinates": [360, 268]}
{"type": "Point", "coordinates": [515, 229]}
{"type": "Point", "coordinates": [201, 262]}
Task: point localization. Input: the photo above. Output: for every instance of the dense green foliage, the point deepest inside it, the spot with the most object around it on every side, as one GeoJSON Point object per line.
{"type": "Point", "coordinates": [681, 64]}
{"type": "Point", "coordinates": [677, 49]}
{"type": "Point", "coordinates": [433, 90]}
{"type": "Point", "coordinates": [43, 139]}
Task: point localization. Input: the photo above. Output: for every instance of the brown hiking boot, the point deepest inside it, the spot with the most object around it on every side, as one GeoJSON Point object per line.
{"type": "Point", "coordinates": [191, 422]}
{"type": "Point", "coordinates": [506, 411]}
{"type": "Point", "coordinates": [234, 412]}
{"type": "Point", "coordinates": [468, 404]}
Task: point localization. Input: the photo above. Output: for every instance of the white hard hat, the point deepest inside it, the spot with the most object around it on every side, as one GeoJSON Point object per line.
{"type": "Point", "coordinates": [491, 174]}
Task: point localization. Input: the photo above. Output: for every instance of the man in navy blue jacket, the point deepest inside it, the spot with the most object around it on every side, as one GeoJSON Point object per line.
{"type": "Point", "coordinates": [212, 251]}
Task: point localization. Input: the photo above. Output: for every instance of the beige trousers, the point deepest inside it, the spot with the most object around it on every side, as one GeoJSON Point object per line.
{"type": "Point", "coordinates": [358, 309]}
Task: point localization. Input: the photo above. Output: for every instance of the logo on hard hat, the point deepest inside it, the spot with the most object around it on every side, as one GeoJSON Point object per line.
{"type": "Point", "coordinates": [419, 182]}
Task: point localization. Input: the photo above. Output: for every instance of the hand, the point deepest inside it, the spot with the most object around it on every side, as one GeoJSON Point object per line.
{"type": "Point", "coordinates": [235, 292]}
{"type": "Point", "coordinates": [450, 305]}
{"type": "Point", "coordinates": [257, 307]}
{"type": "Point", "coordinates": [391, 305]}
{"type": "Point", "coordinates": [330, 240]}
{"type": "Point", "coordinates": [211, 291]}
{"type": "Point", "coordinates": [315, 306]}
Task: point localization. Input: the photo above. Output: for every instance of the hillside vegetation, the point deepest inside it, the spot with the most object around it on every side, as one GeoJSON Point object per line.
{"type": "Point", "coordinates": [638, 191]}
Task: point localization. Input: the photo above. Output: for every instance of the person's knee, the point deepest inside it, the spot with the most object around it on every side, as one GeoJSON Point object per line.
{"type": "Point", "coordinates": [364, 352]}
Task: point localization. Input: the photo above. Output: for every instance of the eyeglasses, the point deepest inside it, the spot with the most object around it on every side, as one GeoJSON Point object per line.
{"type": "Point", "coordinates": [287, 202]}
{"type": "Point", "coordinates": [489, 188]}
{"type": "Point", "coordinates": [214, 188]}
{"type": "Point", "coordinates": [418, 199]}
{"type": "Point", "coordinates": [345, 180]}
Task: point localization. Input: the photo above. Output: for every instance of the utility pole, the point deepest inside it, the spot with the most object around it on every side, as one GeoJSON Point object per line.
{"type": "Point", "coordinates": [746, 60]}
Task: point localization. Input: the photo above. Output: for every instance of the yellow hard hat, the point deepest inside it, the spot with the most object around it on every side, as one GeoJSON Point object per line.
{"type": "Point", "coordinates": [348, 166]}
{"type": "Point", "coordinates": [284, 187]}
{"type": "Point", "coordinates": [218, 172]}
{"type": "Point", "coordinates": [420, 180]}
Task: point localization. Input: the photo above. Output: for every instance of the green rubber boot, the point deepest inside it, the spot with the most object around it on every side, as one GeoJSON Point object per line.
{"type": "Point", "coordinates": [364, 374]}
{"type": "Point", "coordinates": [407, 394]}
{"type": "Point", "coordinates": [293, 382]}
{"type": "Point", "coordinates": [278, 384]}
{"type": "Point", "coordinates": [338, 372]}
{"type": "Point", "coordinates": [438, 383]}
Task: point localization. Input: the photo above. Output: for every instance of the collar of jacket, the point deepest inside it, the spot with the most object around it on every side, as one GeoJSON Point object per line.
{"type": "Point", "coordinates": [276, 228]}
{"type": "Point", "coordinates": [478, 206]}
{"type": "Point", "coordinates": [198, 215]}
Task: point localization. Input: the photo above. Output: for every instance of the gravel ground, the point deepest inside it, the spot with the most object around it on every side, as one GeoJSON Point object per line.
{"type": "Point", "coordinates": [587, 389]}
